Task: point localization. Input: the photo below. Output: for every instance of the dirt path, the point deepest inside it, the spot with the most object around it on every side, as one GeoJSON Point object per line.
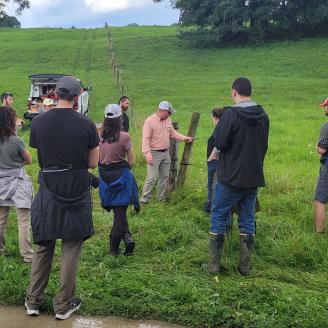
{"type": "Point", "coordinates": [15, 317]}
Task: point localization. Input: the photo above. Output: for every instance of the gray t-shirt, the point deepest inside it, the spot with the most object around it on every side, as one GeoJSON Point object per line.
{"type": "Point", "coordinates": [10, 153]}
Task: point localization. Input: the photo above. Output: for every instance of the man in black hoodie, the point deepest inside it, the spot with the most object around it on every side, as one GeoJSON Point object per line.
{"type": "Point", "coordinates": [241, 136]}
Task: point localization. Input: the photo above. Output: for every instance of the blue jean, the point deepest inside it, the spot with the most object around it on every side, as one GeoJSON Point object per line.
{"type": "Point", "coordinates": [211, 169]}
{"type": "Point", "coordinates": [224, 198]}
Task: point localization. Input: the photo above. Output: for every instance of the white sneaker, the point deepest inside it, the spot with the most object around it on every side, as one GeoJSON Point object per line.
{"type": "Point", "coordinates": [31, 312]}
{"type": "Point", "coordinates": [74, 305]}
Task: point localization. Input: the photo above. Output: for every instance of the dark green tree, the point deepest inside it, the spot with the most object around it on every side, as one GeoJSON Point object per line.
{"type": "Point", "coordinates": [218, 22]}
{"type": "Point", "coordinates": [9, 21]}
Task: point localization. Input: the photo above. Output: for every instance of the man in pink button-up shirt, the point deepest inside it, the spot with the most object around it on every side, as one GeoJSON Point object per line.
{"type": "Point", "coordinates": [156, 135]}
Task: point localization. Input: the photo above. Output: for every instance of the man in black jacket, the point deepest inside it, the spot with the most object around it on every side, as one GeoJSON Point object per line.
{"type": "Point", "coordinates": [241, 137]}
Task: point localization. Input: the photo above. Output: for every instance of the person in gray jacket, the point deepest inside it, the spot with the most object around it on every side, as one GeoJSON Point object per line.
{"type": "Point", "coordinates": [15, 185]}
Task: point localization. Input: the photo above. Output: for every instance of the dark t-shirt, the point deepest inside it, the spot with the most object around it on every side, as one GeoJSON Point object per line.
{"type": "Point", "coordinates": [63, 138]}
{"type": "Point", "coordinates": [125, 122]}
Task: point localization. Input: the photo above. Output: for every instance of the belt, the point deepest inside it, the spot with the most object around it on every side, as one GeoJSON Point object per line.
{"type": "Point", "coordinates": [161, 150]}
{"type": "Point", "coordinates": [51, 169]}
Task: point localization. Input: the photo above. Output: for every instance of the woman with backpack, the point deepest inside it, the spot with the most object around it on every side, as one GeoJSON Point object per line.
{"type": "Point", "coordinates": [117, 187]}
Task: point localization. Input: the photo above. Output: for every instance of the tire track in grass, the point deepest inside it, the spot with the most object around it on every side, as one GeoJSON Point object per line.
{"type": "Point", "coordinates": [79, 50]}
{"type": "Point", "coordinates": [83, 60]}
{"type": "Point", "coordinates": [88, 57]}
{"type": "Point", "coordinates": [88, 62]}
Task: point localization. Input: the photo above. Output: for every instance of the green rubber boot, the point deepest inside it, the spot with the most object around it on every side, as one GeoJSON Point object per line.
{"type": "Point", "coordinates": [215, 252]}
{"type": "Point", "coordinates": [246, 246]}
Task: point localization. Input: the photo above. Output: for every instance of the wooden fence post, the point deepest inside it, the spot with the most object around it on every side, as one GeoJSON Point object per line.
{"type": "Point", "coordinates": [187, 149]}
{"type": "Point", "coordinates": [174, 160]}
{"type": "Point", "coordinates": [116, 67]}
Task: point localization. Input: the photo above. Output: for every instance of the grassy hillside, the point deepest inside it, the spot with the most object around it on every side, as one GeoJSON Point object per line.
{"type": "Point", "coordinates": [288, 285]}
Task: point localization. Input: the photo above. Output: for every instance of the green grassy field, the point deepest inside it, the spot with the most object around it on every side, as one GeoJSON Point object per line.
{"type": "Point", "coordinates": [288, 284]}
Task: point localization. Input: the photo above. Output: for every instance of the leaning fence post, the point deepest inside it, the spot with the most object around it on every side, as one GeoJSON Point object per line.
{"type": "Point", "coordinates": [174, 160]}
{"type": "Point", "coordinates": [118, 76]}
{"type": "Point", "coordinates": [187, 150]}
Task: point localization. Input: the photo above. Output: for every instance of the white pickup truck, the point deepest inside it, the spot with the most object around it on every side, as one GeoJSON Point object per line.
{"type": "Point", "coordinates": [44, 86]}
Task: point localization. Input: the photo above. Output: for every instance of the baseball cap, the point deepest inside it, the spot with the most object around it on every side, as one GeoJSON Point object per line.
{"type": "Point", "coordinates": [113, 111]}
{"type": "Point", "coordinates": [48, 102]}
{"type": "Point", "coordinates": [325, 103]}
{"type": "Point", "coordinates": [166, 105]}
{"type": "Point", "coordinates": [69, 86]}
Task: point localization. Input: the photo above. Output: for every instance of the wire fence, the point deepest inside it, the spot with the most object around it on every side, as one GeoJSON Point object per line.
{"type": "Point", "coordinates": [117, 72]}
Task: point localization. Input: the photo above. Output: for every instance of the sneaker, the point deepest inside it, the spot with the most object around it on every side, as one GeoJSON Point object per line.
{"type": "Point", "coordinates": [74, 305]}
{"type": "Point", "coordinates": [31, 312]}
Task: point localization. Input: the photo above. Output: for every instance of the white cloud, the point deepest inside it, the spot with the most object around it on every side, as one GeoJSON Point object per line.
{"type": "Point", "coordinates": [103, 6]}
{"type": "Point", "coordinates": [37, 4]}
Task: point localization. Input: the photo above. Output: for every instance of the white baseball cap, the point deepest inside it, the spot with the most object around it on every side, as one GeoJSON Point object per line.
{"type": "Point", "coordinates": [48, 102]}
{"type": "Point", "coordinates": [166, 105]}
{"type": "Point", "coordinates": [113, 111]}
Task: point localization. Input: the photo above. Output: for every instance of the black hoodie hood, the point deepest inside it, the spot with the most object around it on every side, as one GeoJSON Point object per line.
{"type": "Point", "coordinates": [250, 112]}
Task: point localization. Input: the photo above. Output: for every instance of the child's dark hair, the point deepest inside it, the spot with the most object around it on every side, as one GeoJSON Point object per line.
{"type": "Point", "coordinates": [217, 112]}
{"type": "Point", "coordinates": [7, 123]}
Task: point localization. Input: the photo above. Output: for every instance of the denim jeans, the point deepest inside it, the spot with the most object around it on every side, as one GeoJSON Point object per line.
{"type": "Point", "coordinates": [224, 198]}
{"type": "Point", "coordinates": [211, 169]}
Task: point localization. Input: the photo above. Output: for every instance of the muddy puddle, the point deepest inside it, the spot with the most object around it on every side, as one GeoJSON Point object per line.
{"type": "Point", "coordinates": [15, 317]}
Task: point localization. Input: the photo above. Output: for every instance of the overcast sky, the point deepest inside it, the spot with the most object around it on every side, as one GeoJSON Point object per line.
{"type": "Point", "coordinates": [94, 13]}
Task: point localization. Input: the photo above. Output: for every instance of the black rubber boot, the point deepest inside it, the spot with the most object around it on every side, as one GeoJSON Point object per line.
{"type": "Point", "coordinates": [114, 244]}
{"type": "Point", "coordinates": [129, 244]}
{"type": "Point", "coordinates": [215, 252]}
{"type": "Point", "coordinates": [246, 246]}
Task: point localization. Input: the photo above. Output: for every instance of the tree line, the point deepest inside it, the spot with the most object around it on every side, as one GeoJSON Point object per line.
{"type": "Point", "coordinates": [221, 22]}
{"type": "Point", "coordinates": [11, 21]}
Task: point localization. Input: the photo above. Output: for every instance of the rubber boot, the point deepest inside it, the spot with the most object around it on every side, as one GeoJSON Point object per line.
{"type": "Point", "coordinates": [246, 245]}
{"type": "Point", "coordinates": [129, 244]}
{"type": "Point", "coordinates": [114, 244]}
{"type": "Point", "coordinates": [215, 252]}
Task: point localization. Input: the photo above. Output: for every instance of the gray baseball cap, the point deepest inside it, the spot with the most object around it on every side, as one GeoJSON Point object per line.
{"type": "Point", "coordinates": [69, 86]}
{"type": "Point", "coordinates": [113, 111]}
{"type": "Point", "coordinates": [166, 105]}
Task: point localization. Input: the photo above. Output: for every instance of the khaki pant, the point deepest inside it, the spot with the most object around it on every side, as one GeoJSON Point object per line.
{"type": "Point", "coordinates": [24, 225]}
{"type": "Point", "coordinates": [161, 167]}
{"type": "Point", "coordinates": [41, 267]}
